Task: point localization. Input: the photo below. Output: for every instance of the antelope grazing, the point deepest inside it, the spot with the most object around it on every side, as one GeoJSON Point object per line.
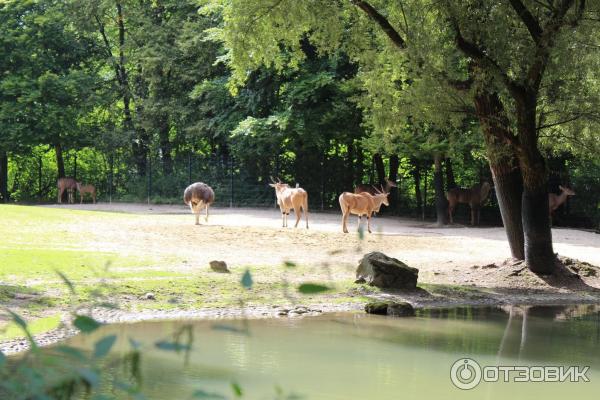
{"type": "Point", "coordinates": [361, 204]}
{"type": "Point", "coordinates": [557, 200]}
{"type": "Point", "coordinates": [474, 197]}
{"type": "Point", "coordinates": [83, 189]}
{"type": "Point", "coordinates": [288, 198]}
{"type": "Point", "coordinates": [198, 196]}
{"type": "Point", "coordinates": [372, 189]}
{"type": "Point", "coordinates": [66, 184]}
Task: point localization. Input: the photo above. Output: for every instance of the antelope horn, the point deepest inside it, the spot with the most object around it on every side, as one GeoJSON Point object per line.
{"type": "Point", "coordinates": [272, 180]}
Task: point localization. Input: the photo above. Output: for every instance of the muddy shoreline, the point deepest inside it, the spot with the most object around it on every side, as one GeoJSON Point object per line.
{"type": "Point", "coordinates": [420, 299]}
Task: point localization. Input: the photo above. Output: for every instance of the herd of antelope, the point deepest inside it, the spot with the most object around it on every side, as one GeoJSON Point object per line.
{"type": "Point", "coordinates": [366, 200]}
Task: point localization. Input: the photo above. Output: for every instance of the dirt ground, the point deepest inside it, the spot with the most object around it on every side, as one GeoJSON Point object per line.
{"type": "Point", "coordinates": [457, 265]}
{"type": "Point", "coordinates": [244, 236]}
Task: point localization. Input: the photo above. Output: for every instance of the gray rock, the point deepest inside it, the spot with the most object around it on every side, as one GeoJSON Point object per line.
{"type": "Point", "coordinates": [377, 308]}
{"type": "Point", "coordinates": [219, 266]}
{"type": "Point", "coordinates": [149, 296]}
{"type": "Point", "coordinates": [401, 309]}
{"type": "Point", "coordinates": [391, 308]}
{"type": "Point", "coordinates": [382, 271]}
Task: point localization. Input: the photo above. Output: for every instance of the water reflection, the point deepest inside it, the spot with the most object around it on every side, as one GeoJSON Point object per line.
{"type": "Point", "coordinates": [359, 356]}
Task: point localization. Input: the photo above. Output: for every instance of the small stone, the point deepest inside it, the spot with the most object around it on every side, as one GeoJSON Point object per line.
{"type": "Point", "coordinates": [149, 296]}
{"type": "Point", "coordinates": [401, 309]}
{"type": "Point", "coordinates": [360, 280]}
{"type": "Point", "coordinates": [489, 266]}
{"type": "Point", "coordinates": [219, 266]}
{"type": "Point", "coordinates": [377, 308]}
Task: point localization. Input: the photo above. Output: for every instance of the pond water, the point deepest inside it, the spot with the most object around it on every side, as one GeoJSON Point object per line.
{"type": "Point", "coordinates": [359, 356]}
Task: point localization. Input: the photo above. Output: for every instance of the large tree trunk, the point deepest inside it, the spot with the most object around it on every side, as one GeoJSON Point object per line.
{"type": "Point", "coordinates": [416, 173]}
{"type": "Point", "coordinates": [441, 204]}
{"type": "Point", "coordinates": [505, 170]}
{"type": "Point", "coordinates": [4, 177]}
{"type": "Point", "coordinates": [450, 181]}
{"type": "Point", "coordinates": [60, 161]}
{"type": "Point", "coordinates": [393, 177]}
{"type": "Point", "coordinates": [539, 253]}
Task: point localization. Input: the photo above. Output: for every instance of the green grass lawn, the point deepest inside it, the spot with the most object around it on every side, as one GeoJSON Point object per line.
{"type": "Point", "coordinates": [38, 242]}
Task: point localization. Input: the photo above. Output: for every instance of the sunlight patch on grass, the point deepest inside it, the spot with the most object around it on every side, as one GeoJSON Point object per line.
{"type": "Point", "coordinates": [37, 326]}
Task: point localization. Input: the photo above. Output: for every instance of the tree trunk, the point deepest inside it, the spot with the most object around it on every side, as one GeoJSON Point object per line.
{"type": "Point", "coordinates": [349, 177]}
{"type": "Point", "coordinates": [441, 204]}
{"type": "Point", "coordinates": [450, 181]}
{"type": "Point", "coordinates": [4, 177]}
{"type": "Point", "coordinates": [379, 168]}
{"type": "Point", "coordinates": [393, 177]}
{"type": "Point", "coordinates": [539, 253]}
{"type": "Point", "coordinates": [505, 171]}
{"type": "Point", "coordinates": [60, 161]}
{"type": "Point", "coordinates": [416, 173]}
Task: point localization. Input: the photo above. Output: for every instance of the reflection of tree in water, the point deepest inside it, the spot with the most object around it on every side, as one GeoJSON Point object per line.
{"type": "Point", "coordinates": [558, 334]}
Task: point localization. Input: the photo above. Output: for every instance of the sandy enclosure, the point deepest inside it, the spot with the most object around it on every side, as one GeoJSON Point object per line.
{"type": "Point", "coordinates": [244, 236]}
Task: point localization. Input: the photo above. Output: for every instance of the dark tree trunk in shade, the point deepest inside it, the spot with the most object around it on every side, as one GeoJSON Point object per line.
{"type": "Point", "coordinates": [379, 169]}
{"type": "Point", "coordinates": [4, 177]}
{"type": "Point", "coordinates": [450, 181]}
{"type": "Point", "coordinates": [441, 204]}
{"type": "Point", "coordinates": [60, 161]}
{"type": "Point", "coordinates": [416, 173]}
{"type": "Point", "coordinates": [505, 170]}
{"type": "Point", "coordinates": [393, 177]}
{"type": "Point", "coordinates": [539, 252]}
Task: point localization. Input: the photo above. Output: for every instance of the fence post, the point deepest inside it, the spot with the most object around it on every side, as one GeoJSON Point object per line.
{"type": "Point", "coordinates": [149, 177]}
{"type": "Point", "coordinates": [111, 161]}
{"type": "Point", "coordinates": [189, 168]}
{"type": "Point", "coordinates": [231, 181]}
{"type": "Point", "coordinates": [40, 178]}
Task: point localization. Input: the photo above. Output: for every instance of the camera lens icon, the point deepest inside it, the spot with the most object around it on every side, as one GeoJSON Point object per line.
{"type": "Point", "coordinates": [465, 373]}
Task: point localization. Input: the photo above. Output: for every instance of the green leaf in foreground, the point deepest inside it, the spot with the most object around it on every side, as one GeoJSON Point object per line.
{"type": "Point", "coordinates": [237, 389]}
{"type": "Point", "coordinates": [103, 346]}
{"type": "Point", "coordinates": [86, 324]}
{"type": "Point", "coordinates": [247, 280]}
{"type": "Point", "coordinates": [2, 359]}
{"type": "Point", "coordinates": [201, 394]}
{"type": "Point", "coordinates": [66, 281]}
{"type": "Point", "coordinates": [311, 288]}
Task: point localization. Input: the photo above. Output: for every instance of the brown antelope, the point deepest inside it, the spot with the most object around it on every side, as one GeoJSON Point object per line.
{"type": "Point", "coordinates": [83, 189]}
{"type": "Point", "coordinates": [373, 190]}
{"type": "Point", "coordinates": [66, 184]}
{"type": "Point", "coordinates": [361, 204]}
{"type": "Point", "coordinates": [474, 197]}
{"type": "Point", "coordinates": [557, 200]}
{"type": "Point", "coordinates": [198, 196]}
{"type": "Point", "coordinates": [288, 198]}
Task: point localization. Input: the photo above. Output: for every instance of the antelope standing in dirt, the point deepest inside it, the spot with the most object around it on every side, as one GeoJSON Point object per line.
{"type": "Point", "coordinates": [373, 190]}
{"type": "Point", "coordinates": [474, 197]}
{"type": "Point", "coordinates": [361, 204]}
{"type": "Point", "coordinates": [290, 198]}
{"type": "Point", "coordinates": [198, 196]}
{"type": "Point", "coordinates": [69, 185]}
{"type": "Point", "coordinates": [557, 200]}
{"type": "Point", "coordinates": [83, 189]}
